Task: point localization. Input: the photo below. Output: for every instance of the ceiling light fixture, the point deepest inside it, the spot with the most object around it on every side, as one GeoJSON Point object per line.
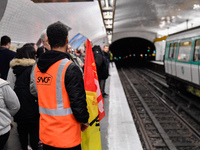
{"type": "Point", "coordinates": [108, 9]}
{"type": "Point", "coordinates": [196, 6]}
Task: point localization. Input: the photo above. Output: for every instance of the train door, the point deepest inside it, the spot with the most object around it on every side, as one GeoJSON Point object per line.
{"type": "Point", "coordinates": [173, 62]}
{"type": "Point", "coordinates": [166, 61]}
{"type": "Point", "coordinates": [183, 61]}
{"type": "Point", "coordinates": [195, 62]}
{"type": "Point", "coordinates": [170, 58]}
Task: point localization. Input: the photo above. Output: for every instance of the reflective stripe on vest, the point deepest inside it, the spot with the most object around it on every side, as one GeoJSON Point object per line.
{"type": "Point", "coordinates": [60, 111]}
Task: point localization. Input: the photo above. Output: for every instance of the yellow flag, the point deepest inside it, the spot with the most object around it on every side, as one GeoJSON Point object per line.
{"type": "Point", "coordinates": [91, 137]}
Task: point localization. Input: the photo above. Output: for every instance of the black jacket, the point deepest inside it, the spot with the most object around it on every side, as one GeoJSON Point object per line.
{"type": "Point", "coordinates": [29, 106]}
{"type": "Point", "coordinates": [107, 56]}
{"type": "Point", "coordinates": [101, 63]}
{"type": "Point", "coordinates": [73, 83]}
{"type": "Point", "coordinates": [6, 56]}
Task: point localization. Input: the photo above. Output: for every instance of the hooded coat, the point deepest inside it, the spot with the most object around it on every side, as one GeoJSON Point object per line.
{"type": "Point", "coordinates": [29, 105]}
{"type": "Point", "coordinates": [9, 105]}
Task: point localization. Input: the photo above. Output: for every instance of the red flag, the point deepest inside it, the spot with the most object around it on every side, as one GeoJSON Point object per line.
{"type": "Point", "coordinates": [91, 81]}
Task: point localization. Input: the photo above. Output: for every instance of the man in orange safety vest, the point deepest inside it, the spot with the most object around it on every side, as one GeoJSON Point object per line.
{"type": "Point", "coordinates": [58, 83]}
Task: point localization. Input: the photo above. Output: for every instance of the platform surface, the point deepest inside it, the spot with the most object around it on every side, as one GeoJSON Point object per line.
{"type": "Point", "coordinates": [158, 62]}
{"type": "Point", "coordinates": [122, 133]}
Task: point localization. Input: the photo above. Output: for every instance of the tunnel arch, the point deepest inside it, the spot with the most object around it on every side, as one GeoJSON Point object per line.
{"type": "Point", "coordinates": [140, 34]}
{"type": "Point", "coordinates": [133, 49]}
{"type": "Point", "coordinates": [132, 45]}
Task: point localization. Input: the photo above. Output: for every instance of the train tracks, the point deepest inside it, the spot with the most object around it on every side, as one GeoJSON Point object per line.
{"type": "Point", "coordinates": [186, 105]}
{"type": "Point", "coordinates": [159, 125]}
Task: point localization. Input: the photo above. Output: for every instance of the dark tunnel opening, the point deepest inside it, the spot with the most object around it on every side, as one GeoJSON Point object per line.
{"type": "Point", "coordinates": [132, 52]}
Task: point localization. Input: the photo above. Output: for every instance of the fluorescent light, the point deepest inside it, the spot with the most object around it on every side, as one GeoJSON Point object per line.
{"type": "Point", "coordinates": [196, 6]}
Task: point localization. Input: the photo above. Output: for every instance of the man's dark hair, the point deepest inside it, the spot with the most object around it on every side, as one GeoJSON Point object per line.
{"type": "Point", "coordinates": [27, 51]}
{"type": "Point", "coordinates": [57, 34]}
{"type": "Point", "coordinates": [5, 40]}
{"type": "Point", "coordinates": [40, 51]}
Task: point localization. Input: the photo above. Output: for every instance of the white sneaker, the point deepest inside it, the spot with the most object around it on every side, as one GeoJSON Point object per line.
{"type": "Point", "coordinates": [40, 144]}
{"type": "Point", "coordinates": [29, 148]}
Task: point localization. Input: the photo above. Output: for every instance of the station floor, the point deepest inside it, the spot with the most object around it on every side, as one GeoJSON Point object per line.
{"type": "Point", "coordinates": [121, 133]}
{"type": "Point", "coordinates": [118, 131]}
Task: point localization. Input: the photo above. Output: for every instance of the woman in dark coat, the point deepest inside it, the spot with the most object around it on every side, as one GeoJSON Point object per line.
{"type": "Point", "coordinates": [27, 117]}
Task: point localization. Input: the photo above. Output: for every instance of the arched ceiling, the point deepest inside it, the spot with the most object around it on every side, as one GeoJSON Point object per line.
{"type": "Point", "coordinates": [159, 17]}
{"type": "Point", "coordinates": [134, 33]}
{"type": "Point", "coordinates": [2, 7]}
{"type": "Point", "coordinates": [24, 20]}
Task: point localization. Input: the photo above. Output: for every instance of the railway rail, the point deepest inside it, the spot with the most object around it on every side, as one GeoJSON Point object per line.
{"type": "Point", "coordinates": [159, 125]}
{"type": "Point", "coordinates": [185, 104]}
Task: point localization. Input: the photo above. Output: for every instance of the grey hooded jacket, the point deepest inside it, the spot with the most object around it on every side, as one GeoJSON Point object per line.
{"type": "Point", "coordinates": [9, 105]}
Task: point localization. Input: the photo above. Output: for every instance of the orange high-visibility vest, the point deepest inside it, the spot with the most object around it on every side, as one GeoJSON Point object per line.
{"type": "Point", "coordinates": [58, 126]}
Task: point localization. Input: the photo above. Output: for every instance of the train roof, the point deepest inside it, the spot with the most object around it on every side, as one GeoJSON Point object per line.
{"type": "Point", "coordinates": [184, 34]}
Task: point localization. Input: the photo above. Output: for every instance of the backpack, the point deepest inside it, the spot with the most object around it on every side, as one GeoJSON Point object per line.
{"type": "Point", "coordinates": [101, 62]}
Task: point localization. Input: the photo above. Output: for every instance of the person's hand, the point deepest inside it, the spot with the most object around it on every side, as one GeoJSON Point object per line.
{"type": "Point", "coordinates": [82, 65]}
{"type": "Point", "coordinates": [84, 126]}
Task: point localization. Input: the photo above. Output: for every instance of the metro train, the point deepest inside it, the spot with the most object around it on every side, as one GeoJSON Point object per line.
{"type": "Point", "coordinates": [182, 60]}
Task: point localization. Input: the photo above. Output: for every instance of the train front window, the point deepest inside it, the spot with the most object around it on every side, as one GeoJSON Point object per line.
{"type": "Point", "coordinates": [171, 49]}
{"type": "Point", "coordinates": [196, 50]}
{"type": "Point", "coordinates": [184, 51]}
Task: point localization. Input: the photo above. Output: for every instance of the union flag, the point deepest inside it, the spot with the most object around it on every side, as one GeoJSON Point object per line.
{"type": "Point", "coordinates": [91, 137]}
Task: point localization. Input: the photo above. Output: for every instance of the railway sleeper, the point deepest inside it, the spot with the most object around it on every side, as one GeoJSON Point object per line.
{"type": "Point", "coordinates": [185, 144]}
{"type": "Point", "coordinates": [178, 135]}
{"type": "Point", "coordinates": [168, 121]}
{"type": "Point", "coordinates": [154, 135]}
{"type": "Point", "coordinates": [163, 115]}
{"type": "Point", "coordinates": [172, 127]}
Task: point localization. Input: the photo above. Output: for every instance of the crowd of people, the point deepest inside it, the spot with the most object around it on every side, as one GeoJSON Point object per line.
{"type": "Point", "coordinates": [43, 90]}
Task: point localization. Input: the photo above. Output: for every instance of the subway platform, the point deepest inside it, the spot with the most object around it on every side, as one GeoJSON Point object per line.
{"type": "Point", "coordinates": [118, 131]}
{"type": "Point", "coordinates": [157, 66]}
